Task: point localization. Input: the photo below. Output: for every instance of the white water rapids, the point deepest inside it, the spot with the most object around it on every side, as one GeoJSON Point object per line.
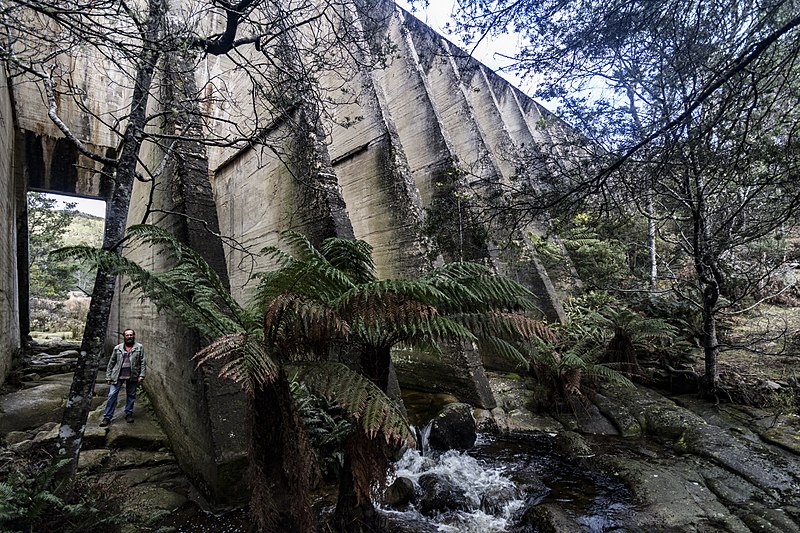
{"type": "Point", "coordinates": [475, 478]}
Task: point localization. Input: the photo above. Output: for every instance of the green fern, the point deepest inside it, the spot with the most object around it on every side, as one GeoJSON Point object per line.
{"type": "Point", "coordinates": [370, 407]}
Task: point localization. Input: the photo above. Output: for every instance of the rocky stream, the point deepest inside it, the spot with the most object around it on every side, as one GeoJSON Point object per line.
{"type": "Point", "coordinates": [632, 460]}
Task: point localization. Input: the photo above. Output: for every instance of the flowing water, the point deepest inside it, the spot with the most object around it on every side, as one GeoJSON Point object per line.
{"type": "Point", "coordinates": [500, 478]}
{"type": "Point", "coordinates": [503, 478]}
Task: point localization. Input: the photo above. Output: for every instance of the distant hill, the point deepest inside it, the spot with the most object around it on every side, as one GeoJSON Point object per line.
{"type": "Point", "coordinates": [84, 229]}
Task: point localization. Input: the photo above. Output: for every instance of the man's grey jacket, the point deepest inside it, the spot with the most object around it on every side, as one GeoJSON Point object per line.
{"type": "Point", "coordinates": [115, 362]}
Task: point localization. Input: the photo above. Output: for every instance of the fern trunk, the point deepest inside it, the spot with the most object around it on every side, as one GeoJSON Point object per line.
{"type": "Point", "coordinates": [375, 365]}
{"type": "Point", "coordinates": [281, 462]}
{"type": "Point", "coordinates": [79, 402]}
{"type": "Point", "coordinates": [365, 467]}
{"type": "Point", "coordinates": [366, 460]}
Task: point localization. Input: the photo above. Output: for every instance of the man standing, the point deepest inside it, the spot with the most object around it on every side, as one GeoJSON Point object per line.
{"type": "Point", "coordinates": [126, 366]}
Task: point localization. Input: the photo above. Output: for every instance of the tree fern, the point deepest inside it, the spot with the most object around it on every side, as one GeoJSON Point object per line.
{"type": "Point", "coordinates": [370, 407]}
{"type": "Point", "coordinates": [190, 288]}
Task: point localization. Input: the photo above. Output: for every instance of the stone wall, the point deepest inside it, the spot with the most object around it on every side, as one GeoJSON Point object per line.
{"type": "Point", "coordinates": [9, 192]}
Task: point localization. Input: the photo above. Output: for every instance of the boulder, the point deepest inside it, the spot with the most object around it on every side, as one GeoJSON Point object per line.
{"type": "Point", "coordinates": [485, 422]}
{"type": "Point", "coordinates": [440, 495]}
{"type": "Point", "coordinates": [497, 498]}
{"type": "Point", "coordinates": [548, 518]}
{"type": "Point", "coordinates": [91, 460]}
{"type": "Point", "coordinates": [571, 444]}
{"type": "Point", "coordinates": [400, 493]}
{"type": "Point", "coordinates": [30, 408]}
{"type": "Point", "coordinates": [453, 429]}
{"type": "Point", "coordinates": [590, 419]}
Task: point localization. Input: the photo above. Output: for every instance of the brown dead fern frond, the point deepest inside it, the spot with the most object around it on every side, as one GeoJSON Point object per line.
{"type": "Point", "coordinates": [245, 360]}
{"type": "Point", "coordinates": [224, 347]}
{"type": "Point", "coordinates": [295, 323]}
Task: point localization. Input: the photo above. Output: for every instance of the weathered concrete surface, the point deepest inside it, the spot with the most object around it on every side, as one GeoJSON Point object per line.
{"type": "Point", "coordinates": [373, 172]}
{"type": "Point", "coordinates": [201, 413]}
{"type": "Point", "coordinates": [9, 303]}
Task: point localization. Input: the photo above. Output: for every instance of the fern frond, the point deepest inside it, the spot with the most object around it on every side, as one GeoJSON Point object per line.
{"type": "Point", "coordinates": [303, 249]}
{"type": "Point", "coordinates": [457, 270]}
{"type": "Point", "coordinates": [198, 288]}
{"type": "Point", "coordinates": [373, 410]}
{"type": "Point", "coordinates": [504, 349]}
{"type": "Point", "coordinates": [245, 360]}
{"type": "Point", "coordinates": [372, 294]}
{"type": "Point", "coordinates": [506, 325]}
{"type": "Point", "coordinates": [480, 292]}
{"type": "Point", "coordinates": [294, 323]}
{"type": "Point", "coordinates": [319, 280]}
{"type": "Point", "coordinates": [353, 257]}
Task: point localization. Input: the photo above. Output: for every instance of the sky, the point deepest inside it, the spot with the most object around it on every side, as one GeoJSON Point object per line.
{"type": "Point", "coordinates": [84, 205]}
{"type": "Point", "coordinates": [489, 51]}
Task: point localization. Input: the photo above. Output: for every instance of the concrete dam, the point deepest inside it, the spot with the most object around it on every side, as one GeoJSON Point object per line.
{"type": "Point", "coordinates": [397, 156]}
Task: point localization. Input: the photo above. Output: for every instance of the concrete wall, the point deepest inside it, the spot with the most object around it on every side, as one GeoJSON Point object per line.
{"type": "Point", "coordinates": [398, 160]}
{"type": "Point", "coordinates": [9, 306]}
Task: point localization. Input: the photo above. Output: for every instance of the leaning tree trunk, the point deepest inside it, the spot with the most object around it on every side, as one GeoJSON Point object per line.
{"type": "Point", "coordinates": [281, 462]}
{"type": "Point", "coordinates": [79, 402]}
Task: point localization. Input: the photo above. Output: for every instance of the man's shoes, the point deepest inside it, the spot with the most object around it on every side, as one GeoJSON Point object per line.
{"type": "Point", "coordinates": [129, 419]}
{"type": "Point", "coordinates": [105, 422]}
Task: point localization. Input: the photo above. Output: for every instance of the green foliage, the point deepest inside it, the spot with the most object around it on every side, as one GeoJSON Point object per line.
{"type": "Point", "coordinates": [336, 297]}
{"type": "Point", "coordinates": [49, 277]}
{"type": "Point", "coordinates": [450, 219]}
{"type": "Point", "coordinates": [327, 426]}
{"type": "Point", "coordinates": [318, 298]}
{"type": "Point", "coordinates": [190, 288]}
{"type": "Point", "coordinates": [52, 277]}
{"type": "Point", "coordinates": [30, 501]}
{"type": "Point", "coordinates": [84, 230]}
{"type": "Point", "coordinates": [603, 340]}
{"type": "Point", "coordinates": [604, 252]}
{"type": "Point", "coordinates": [364, 401]}
{"type": "Point", "coordinates": [603, 329]}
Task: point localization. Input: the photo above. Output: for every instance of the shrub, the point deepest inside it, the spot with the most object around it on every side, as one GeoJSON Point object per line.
{"type": "Point", "coordinates": [30, 499]}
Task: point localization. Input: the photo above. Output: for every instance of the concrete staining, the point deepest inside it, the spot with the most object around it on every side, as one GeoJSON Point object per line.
{"type": "Point", "coordinates": [9, 301]}
{"type": "Point", "coordinates": [396, 162]}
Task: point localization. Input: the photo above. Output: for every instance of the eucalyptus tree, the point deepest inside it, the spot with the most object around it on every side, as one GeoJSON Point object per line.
{"type": "Point", "coordinates": [684, 112]}
{"type": "Point", "coordinates": [151, 51]}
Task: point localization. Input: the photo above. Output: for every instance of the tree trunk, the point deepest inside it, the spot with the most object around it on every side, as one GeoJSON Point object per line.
{"type": "Point", "coordinates": [651, 240]}
{"type": "Point", "coordinates": [366, 460]}
{"type": "Point", "coordinates": [79, 402]}
{"type": "Point", "coordinates": [281, 461]}
{"type": "Point", "coordinates": [710, 343]}
{"type": "Point", "coordinates": [375, 365]}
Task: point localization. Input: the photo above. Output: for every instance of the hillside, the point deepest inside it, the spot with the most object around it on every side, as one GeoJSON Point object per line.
{"type": "Point", "coordinates": [84, 229]}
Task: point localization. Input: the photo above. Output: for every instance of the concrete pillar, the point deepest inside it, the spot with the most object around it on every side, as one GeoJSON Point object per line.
{"type": "Point", "coordinates": [405, 162]}
{"type": "Point", "coordinates": [10, 334]}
